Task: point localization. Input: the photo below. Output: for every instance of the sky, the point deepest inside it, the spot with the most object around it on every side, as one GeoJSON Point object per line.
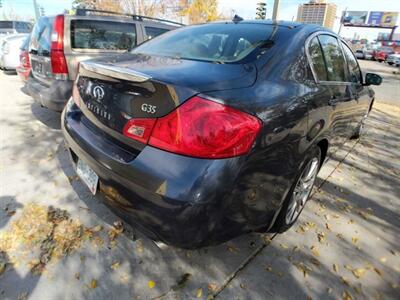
{"type": "Point", "coordinates": [244, 8]}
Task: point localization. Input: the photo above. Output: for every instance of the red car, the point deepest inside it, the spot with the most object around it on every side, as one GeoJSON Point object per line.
{"type": "Point", "coordinates": [382, 53]}
{"type": "Point", "coordinates": [24, 67]}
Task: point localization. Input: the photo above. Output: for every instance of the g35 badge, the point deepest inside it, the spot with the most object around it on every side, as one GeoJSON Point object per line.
{"type": "Point", "coordinates": [150, 109]}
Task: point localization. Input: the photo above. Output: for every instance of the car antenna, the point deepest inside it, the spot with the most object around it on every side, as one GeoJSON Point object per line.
{"type": "Point", "coordinates": [236, 19]}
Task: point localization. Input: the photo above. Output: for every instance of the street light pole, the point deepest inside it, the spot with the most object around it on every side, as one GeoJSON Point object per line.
{"type": "Point", "coordinates": [35, 7]}
{"type": "Point", "coordinates": [275, 12]}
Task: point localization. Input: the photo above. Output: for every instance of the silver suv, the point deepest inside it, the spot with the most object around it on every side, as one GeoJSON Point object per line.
{"type": "Point", "coordinates": [60, 42]}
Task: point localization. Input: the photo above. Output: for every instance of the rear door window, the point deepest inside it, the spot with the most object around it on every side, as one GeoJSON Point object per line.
{"type": "Point", "coordinates": [334, 60]}
{"type": "Point", "coordinates": [41, 36]}
{"type": "Point", "coordinates": [354, 69]}
{"type": "Point", "coordinates": [23, 27]}
{"type": "Point", "coordinates": [152, 32]}
{"type": "Point", "coordinates": [317, 59]}
{"type": "Point", "coordinates": [94, 34]}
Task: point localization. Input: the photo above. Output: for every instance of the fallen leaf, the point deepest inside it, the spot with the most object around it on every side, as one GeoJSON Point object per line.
{"type": "Point", "coordinates": [354, 240]}
{"type": "Point", "coordinates": [115, 265]}
{"type": "Point", "coordinates": [383, 259]}
{"type": "Point", "coordinates": [335, 268]}
{"type": "Point", "coordinates": [243, 286]}
{"type": "Point", "coordinates": [182, 281]}
{"type": "Point", "coordinates": [151, 284]}
{"type": "Point", "coordinates": [359, 272]}
{"type": "Point", "coordinates": [283, 246]}
{"type": "Point", "coordinates": [345, 280]}
{"type": "Point", "coordinates": [321, 237]}
{"type": "Point", "coordinates": [314, 251]}
{"type": "Point", "coordinates": [232, 248]}
{"type": "Point", "coordinates": [22, 296]}
{"type": "Point", "coordinates": [93, 284]}
{"type": "Point", "coordinates": [199, 293]}
{"type": "Point", "coordinates": [328, 226]}
{"type": "Point", "coordinates": [77, 276]}
{"type": "Point", "coordinates": [379, 272]}
{"type": "Point", "coordinates": [315, 261]}
{"type": "Point", "coordinates": [11, 213]}
{"type": "Point", "coordinates": [347, 296]}
{"type": "Point", "coordinates": [212, 287]}
{"type": "Point", "coordinates": [329, 290]}
{"type": "Point", "coordinates": [269, 269]}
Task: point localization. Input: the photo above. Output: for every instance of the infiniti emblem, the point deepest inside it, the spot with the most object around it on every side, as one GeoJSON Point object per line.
{"type": "Point", "coordinates": [98, 92]}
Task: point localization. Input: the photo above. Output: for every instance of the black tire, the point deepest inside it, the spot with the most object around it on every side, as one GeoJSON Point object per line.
{"type": "Point", "coordinates": [390, 63]}
{"type": "Point", "coordinates": [281, 224]}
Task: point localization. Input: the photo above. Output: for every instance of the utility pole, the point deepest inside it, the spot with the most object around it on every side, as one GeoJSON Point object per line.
{"type": "Point", "coordinates": [36, 8]}
{"type": "Point", "coordinates": [341, 20]}
{"type": "Point", "coordinates": [275, 12]}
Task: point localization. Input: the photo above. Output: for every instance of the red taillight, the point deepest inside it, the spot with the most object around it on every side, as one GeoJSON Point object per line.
{"type": "Point", "coordinates": [58, 61]}
{"type": "Point", "coordinates": [24, 59]}
{"type": "Point", "coordinates": [198, 128]}
{"type": "Point", "coordinates": [139, 129]}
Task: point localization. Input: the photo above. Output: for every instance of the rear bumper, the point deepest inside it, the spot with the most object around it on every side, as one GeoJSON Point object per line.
{"type": "Point", "coordinates": [23, 73]}
{"type": "Point", "coordinates": [53, 96]}
{"type": "Point", "coordinates": [172, 198]}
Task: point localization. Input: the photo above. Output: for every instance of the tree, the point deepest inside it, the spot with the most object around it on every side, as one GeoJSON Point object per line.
{"type": "Point", "coordinates": [261, 10]}
{"type": "Point", "coordinates": [200, 11]}
{"type": "Point", "coordinates": [109, 5]}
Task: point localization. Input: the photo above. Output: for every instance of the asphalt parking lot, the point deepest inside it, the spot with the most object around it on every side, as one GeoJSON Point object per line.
{"type": "Point", "coordinates": [57, 241]}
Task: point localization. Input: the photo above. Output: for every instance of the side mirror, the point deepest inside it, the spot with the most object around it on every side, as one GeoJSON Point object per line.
{"type": "Point", "coordinates": [372, 79]}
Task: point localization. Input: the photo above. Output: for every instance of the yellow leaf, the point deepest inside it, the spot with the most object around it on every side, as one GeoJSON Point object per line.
{"type": "Point", "coordinates": [115, 265]}
{"type": "Point", "coordinates": [93, 283]}
{"type": "Point", "coordinates": [383, 259]}
{"type": "Point", "coordinates": [346, 296]}
{"type": "Point", "coordinates": [354, 240]}
{"type": "Point", "coordinates": [345, 280]}
{"type": "Point", "coordinates": [359, 272]}
{"type": "Point", "coordinates": [314, 251]}
{"type": "Point", "coordinates": [199, 293]}
{"type": "Point", "coordinates": [328, 226]}
{"type": "Point", "coordinates": [269, 269]}
{"type": "Point", "coordinates": [212, 287]}
{"type": "Point", "coordinates": [151, 284]}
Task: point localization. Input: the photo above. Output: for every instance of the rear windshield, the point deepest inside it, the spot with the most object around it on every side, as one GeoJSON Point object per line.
{"type": "Point", "coordinates": [6, 25]}
{"type": "Point", "coordinates": [25, 44]}
{"type": "Point", "coordinates": [90, 34]}
{"type": "Point", "coordinates": [219, 42]}
{"type": "Point", "coordinates": [41, 36]}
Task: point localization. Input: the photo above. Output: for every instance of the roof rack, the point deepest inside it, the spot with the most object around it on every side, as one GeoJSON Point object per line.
{"type": "Point", "coordinates": [85, 11]}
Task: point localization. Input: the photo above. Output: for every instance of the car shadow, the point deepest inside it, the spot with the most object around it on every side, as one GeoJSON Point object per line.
{"type": "Point", "coordinates": [48, 117]}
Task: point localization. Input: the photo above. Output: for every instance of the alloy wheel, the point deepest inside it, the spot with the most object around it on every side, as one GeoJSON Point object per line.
{"type": "Point", "coordinates": [302, 190]}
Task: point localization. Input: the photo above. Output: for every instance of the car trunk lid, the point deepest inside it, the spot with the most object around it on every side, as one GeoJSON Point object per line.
{"type": "Point", "coordinates": [114, 91]}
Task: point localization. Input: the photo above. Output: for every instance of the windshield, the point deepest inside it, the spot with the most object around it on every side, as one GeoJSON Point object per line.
{"type": "Point", "coordinates": [219, 42]}
{"type": "Point", "coordinates": [6, 25]}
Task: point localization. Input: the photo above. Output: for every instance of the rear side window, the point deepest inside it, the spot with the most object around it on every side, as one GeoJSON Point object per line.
{"type": "Point", "coordinates": [23, 27]}
{"type": "Point", "coordinates": [354, 70]}
{"type": "Point", "coordinates": [317, 59]}
{"type": "Point", "coordinates": [91, 34]}
{"type": "Point", "coordinates": [334, 60]}
{"type": "Point", "coordinates": [6, 25]}
{"type": "Point", "coordinates": [41, 36]}
{"type": "Point", "coordinates": [152, 32]}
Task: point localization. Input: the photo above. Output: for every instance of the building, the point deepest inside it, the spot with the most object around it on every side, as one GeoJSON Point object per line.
{"type": "Point", "coordinates": [317, 12]}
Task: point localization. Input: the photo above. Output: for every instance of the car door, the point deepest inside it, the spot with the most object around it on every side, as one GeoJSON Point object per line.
{"type": "Point", "coordinates": [331, 105]}
{"type": "Point", "coordinates": [361, 99]}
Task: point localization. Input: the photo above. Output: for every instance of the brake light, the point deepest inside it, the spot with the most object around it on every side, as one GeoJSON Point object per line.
{"type": "Point", "coordinates": [198, 128]}
{"type": "Point", "coordinates": [58, 61]}
{"type": "Point", "coordinates": [139, 129]}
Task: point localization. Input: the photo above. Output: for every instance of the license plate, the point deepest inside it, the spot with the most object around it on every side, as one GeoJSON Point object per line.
{"type": "Point", "coordinates": [88, 176]}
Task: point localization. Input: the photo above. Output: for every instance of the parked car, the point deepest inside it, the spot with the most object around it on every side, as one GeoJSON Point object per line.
{"type": "Point", "coordinates": [381, 53]}
{"type": "Point", "coordinates": [363, 54]}
{"type": "Point", "coordinates": [60, 42]}
{"type": "Point", "coordinates": [13, 27]}
{"type": "Point", "coordinates": [24, 67]}
{"type": "Point", "coordinates": [9, 51]}
{"type": "Point", "coordinates": [205, 133]}
{"type": "Point", "coordinates": [393, 59]}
